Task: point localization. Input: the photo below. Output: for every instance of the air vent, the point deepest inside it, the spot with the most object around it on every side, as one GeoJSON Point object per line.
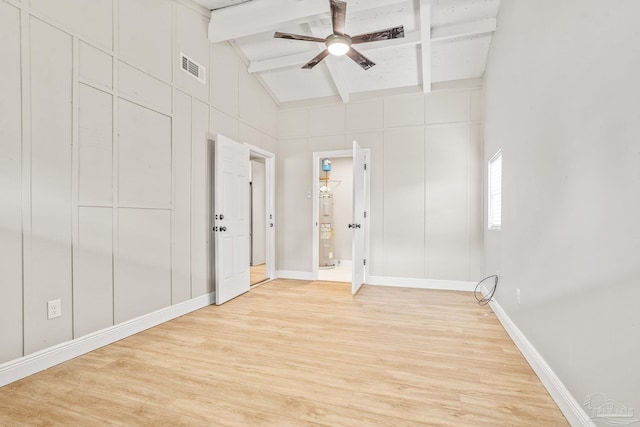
{"type": "Point", "coordinates": [192, 68]}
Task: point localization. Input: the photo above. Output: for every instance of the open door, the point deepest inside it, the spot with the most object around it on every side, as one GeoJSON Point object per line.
{"type": "Point", "coordinates": [231, 218]}
{"type": "Point", "coordinates": [359, 223]}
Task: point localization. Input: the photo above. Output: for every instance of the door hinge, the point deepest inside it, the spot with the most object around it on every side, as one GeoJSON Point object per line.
{"type": "Point", "coordinates": [364, 262]}
{"type": "Point", "coordinates": [365, 214]}
{"type": "Point", "coordinates": [365, 166]}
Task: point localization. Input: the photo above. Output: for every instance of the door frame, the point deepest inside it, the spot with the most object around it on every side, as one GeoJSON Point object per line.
{"type": "Point", "coordinates": [317, 155]}
{"type": "Point", "coordinates": [270, 197]}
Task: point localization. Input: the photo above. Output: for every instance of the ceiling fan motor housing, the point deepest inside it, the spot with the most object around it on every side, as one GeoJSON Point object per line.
{"type": "Point", "coordinates": [338, 44]}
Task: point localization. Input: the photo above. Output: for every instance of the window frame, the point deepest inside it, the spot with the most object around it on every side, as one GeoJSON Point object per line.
{"type": "Point", "coordinates": [494, 220]}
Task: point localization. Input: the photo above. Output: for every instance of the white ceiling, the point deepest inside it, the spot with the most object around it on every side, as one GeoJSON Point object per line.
{"type": "Point", "coordinates": [456, 47]}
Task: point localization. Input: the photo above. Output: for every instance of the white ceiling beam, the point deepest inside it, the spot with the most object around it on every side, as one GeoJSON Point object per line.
{"type": "Point", "coordinates": [468, 29]}
{"type": "Point", "coordinates": [438, 34]}
{"type": "Point", "coordinates": [425, 33]}
{"type": "Point", "coordinates": [336, 72]}
{"type": "Point", "coordinates": [255, 17]}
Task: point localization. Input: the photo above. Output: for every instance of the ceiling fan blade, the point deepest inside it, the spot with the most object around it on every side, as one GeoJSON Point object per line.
{"type": "Point", "coordinates": [360, 59]}
{"type": "Point", "coordinates": [315, 61]}
{"type": "Point", "coordinates": [338, 15]}
{"type": "Point", "coordinates": [389, 33]}
{"type": "Point", "coordinates": [279, 35]}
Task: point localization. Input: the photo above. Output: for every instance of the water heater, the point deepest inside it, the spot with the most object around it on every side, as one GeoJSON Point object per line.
{"type": "Point", "coordinates": [326, 259]}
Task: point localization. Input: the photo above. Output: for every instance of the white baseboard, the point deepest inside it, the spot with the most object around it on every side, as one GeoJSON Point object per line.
{"type": "Point", "coordinates": [404, 282]}
{"type": "Point", "coordinates": [44, 359]}
{"type": "Point", "coordinates": [570, 407]}
{"type": "Point", "coordinates": [296, 275]}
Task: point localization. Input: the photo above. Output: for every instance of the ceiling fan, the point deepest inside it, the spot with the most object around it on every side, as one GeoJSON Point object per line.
{"type": "Point", "coordinates": [339, 43]}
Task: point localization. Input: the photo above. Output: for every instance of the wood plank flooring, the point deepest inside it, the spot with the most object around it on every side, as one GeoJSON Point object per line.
{"type": "Point", "coordinates": [294, 353]}
{"type": "Point", "coordinates": [257, 273]}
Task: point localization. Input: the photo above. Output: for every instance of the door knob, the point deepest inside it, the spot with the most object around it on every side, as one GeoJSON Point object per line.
{"type": "Point", "coordinates": [223, 228]}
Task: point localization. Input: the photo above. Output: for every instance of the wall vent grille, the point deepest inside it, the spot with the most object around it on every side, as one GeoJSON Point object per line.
{"type": "Point", "coordinates": [192, 68]}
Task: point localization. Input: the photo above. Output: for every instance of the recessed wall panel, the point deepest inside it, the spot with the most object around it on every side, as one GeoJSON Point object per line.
{"type": "Point", "coordinates": [181, 243]}
{"type": "Point", "coordinates": [144, 156]}
{"type": "Point", "coordinates": [294, 210]}
{"type": "Point", "coordinates": [447, 207]}
{"type": "Point", "coordinates": [365, 115]}
{"type": "Point", "coordinates": [96, 66]}
{"type": "Point", "coordinates": [95, 140]}
{"type": "Point", "coordinates": [269, 115]}
{"type": "Point", "coordinates": [144, 88]}
{"type": "Point", "coordinates": [92, 20]}
{"type": "Point", "coordinates": [329, 143]}
{"type": "Point", "coordinates": [475, 202]}
{"type": "Point", "coordinates": [200, 200]}
{"type": "Point", "coordinates": [145, 32]}
{"type": "Point", "coordinates": [250, 102]}
{"type": "Point", "coordinates": [143, 266]}
{"type": "Point", "coordinates": [293, 123]}
{"type": "Point", "coordinates": [224, 78]}
{"type": "Point", "coordinates": [224, 124]}
{"type": "Point", "coordinates": [253, 136]}
{"type": "Point", "coordinates": [405, 110]}
{"type": "Point", "coordinates": [10, 186]}
{"type": "Point", "coordinates": [448, 106]}
{"type": "Point", "coordinates": [93, 271]}
{"type": "Point", "coordinates": [404, 204]}
{"type": "Point", "coordinates": [327, 119]}
{"type": "Point", "coordinates": [50, 255]}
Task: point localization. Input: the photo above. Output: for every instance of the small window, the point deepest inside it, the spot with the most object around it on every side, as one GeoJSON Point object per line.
{"type": "Point", "coordinates": [495, 191]}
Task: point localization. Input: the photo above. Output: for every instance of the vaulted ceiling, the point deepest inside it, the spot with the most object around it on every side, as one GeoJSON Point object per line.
{"type": "Point", "coordinates": [445, 40]}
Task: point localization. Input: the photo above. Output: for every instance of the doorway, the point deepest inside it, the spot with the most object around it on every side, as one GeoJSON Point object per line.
{"type": "Point", "coordinates": [334, 197]}
{"type": "Point", "coordinates": [231, 217]}
{"type": "Point", "coordinates": [257, 220]}
{"type": "Point", "coordinates": [334, 214]}
{"type": "Point", "coordinates": [262, 205]}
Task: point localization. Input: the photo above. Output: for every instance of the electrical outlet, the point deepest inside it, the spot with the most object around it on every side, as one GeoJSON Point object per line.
{"type": "Point", "coordinates": [518, 295]}
{"type": "Point", "coordinates": [54, 309]}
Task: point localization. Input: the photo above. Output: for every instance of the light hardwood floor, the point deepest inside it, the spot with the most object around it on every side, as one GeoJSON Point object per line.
{"type": "Point", "coordinates": [293, 353]}
{"type": "Point", "coordinates": [257, 273]}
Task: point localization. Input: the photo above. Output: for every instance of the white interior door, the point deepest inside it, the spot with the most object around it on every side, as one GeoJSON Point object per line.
{"type": "Point", "coordinates": [231, 218]}
{"type": "Point", "coordinates": [359, 224]}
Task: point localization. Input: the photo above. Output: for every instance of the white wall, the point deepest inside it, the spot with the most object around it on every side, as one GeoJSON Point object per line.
{"type": "Point", "coordinates": [425, 169]}
{"type": "Point", "coordinates": [104, 161]}
{"type": "Point", "coordinates": [562, 103]}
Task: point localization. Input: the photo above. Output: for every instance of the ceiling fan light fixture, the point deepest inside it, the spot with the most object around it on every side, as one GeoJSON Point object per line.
{"type": "Point", "coordinates": [338, 45]}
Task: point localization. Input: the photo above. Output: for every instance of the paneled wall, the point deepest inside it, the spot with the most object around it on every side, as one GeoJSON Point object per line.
{"type": "Point", "coordinates": [104, 170]}
{"type": "Point", "coordinates": [425, 172]}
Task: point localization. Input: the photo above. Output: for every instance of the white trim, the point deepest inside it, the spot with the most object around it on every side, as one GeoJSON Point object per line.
{"type": "Point", "coordinates": [296, 275]}
{"type": "Point", "coordinates": [406, 282]}
{"type": "Point", "coordinates": [494, 219]}
{"type": "Point", "coordinates": [569, 406]}
{"type": "Point", "coordinates": [44, 359]}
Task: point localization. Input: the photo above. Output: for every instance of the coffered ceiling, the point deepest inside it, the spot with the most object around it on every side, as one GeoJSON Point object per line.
{"type": "Point", "coordinates": [445, 40]}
